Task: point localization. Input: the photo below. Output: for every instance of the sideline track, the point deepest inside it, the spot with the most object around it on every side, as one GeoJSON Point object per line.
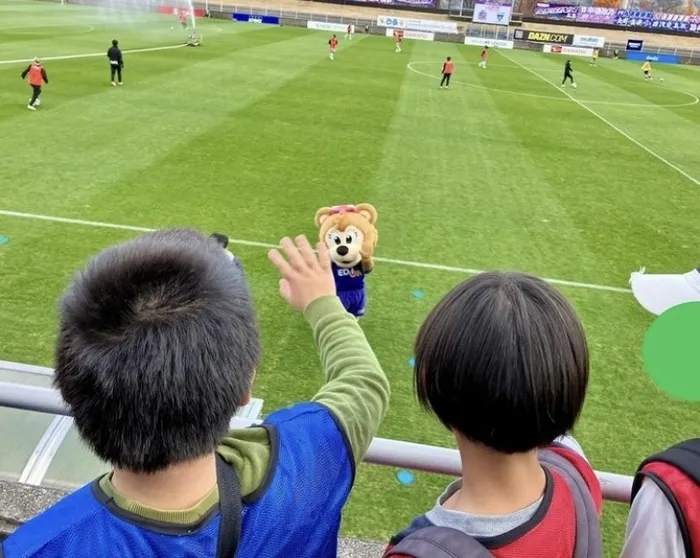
{"type": "Point", "coordinates": [91, 54]}
{"type": "Point", "coordinates": [267, 245]}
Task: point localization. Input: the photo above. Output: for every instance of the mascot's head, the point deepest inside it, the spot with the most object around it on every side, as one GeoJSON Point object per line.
{"type": "Point", "coordinates": [349, 233]}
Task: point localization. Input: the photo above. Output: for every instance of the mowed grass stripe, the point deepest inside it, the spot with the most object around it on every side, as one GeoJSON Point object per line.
{"type": "Point", "coordinates": [140, 124]}
{"type": "Point", "coordinates": [640, 122]}
{"type": "Point", "coordinates": [487, 192]}
{"type": "Point", "coordinates": [675, 89]}
{"type": "Point", "coordinates": [623, 216]}
{"type": "Point", "coordinates": [280, 155]}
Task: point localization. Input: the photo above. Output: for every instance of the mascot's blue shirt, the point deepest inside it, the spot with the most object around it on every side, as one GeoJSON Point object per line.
{"type": "Point", "coordinates": [349, 278]}
{"type": "Point", "coordinates": [295, 514]}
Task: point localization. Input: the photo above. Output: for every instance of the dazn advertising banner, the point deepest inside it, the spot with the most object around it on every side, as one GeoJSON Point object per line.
{"type": "Point", "coordinates": [543, 37]}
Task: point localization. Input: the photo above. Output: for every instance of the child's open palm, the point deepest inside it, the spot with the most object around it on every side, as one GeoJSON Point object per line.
{"type": "Point", "coordinates": [305, 275]}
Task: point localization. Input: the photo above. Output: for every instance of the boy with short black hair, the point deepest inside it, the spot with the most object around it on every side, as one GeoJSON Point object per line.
{"type": "Point", "coordinates": [502, 361]}
{"type": "Point", "coordinates": [157, 348]}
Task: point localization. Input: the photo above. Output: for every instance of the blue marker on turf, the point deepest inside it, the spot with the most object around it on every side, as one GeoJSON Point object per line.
{"type": "Point", "coordinates": [4, 240]}
{"type": "Point", "coordinates": [405, 477]}
{"type": "Point", "coordinates": [418, 293]}
{"type": "Point", "coordinates": [411, 362]}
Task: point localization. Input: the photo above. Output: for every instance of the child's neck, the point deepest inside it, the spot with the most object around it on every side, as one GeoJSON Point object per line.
{"type": "Point", "coordinates": [178, 487]}
{"type": "Point", "coordinates": [494, 483]}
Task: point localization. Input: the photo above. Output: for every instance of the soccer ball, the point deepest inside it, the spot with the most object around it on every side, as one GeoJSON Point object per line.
{"type": "Point", "coordinates": [574, 85]}
{"type": "Point", "coordinates": [661, 79]}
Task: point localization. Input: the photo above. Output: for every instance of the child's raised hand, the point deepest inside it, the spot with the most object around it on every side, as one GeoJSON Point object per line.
{"type": "Point", "coordinates": [305, 276]}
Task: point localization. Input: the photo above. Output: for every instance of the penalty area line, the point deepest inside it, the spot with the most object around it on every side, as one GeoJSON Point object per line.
{"type": "Point", "coordinates": [606, 121]}
{"type": "Point", "coordinates": [91, 54]}
{"type": "Point", "coordinates": [267, 245]}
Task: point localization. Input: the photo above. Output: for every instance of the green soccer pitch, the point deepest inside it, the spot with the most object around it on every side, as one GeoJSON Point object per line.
{"type": "Point", "coordinates": [253, 131]}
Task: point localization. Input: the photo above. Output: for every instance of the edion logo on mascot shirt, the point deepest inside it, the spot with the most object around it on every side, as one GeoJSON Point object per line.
{"type": "Point", "coordinates": [350, 272]}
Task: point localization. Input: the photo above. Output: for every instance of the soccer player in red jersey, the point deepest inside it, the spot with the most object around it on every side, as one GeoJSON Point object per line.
{"type": "Point", "coordinates": [398, 36]}
{"type": "Point", "coordinates": [183, 19]}
{"type": "Point", "coordinates": [484, 57]}
{"type": "Point", "coordinates": [447, 68]}
{"type": "Point", "coordinates": [332, 45]}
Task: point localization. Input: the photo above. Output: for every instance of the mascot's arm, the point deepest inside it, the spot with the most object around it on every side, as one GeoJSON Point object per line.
{"type": "Point", "coordinates": [367, 264]}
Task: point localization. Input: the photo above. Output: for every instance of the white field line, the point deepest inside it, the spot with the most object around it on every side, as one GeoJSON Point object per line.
{"type": "Point", "coordinates": [92, 54]}
{"type": "Point", "coordinates": [405, 263]}
{"type": "Point", "coordinates": [604, 120]}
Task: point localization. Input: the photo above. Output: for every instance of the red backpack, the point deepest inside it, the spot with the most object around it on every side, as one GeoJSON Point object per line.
{"type": "Point", "coordinates": [676, 472]}
{"type": "Point", "coordinates": [444, 542]}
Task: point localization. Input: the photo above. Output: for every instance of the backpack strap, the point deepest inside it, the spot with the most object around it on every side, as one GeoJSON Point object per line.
{"type": "Point", "coordinates": [439, 542]}
{"type": "Point", "coordinates": [686, 458]}
{"type": "Point", "coordinates": [588, 539]}
{"type": "Point", "coordinates": [230, 509]}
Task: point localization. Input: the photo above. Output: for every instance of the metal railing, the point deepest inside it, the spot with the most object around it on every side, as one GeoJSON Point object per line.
{"type": "Point", "coordinates": [382, 451]}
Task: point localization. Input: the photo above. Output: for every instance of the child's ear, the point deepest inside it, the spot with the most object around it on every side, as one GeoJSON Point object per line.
{"type": "Point", "coordinates": [321, 215]}
{"type": "Point", "coordinates": [249, 395]}
{"type": "Point", "coordinates": [367, 211]}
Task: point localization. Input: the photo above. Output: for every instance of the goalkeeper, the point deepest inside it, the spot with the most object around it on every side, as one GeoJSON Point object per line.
{"type": "Point", "coordinates": [116, 62]}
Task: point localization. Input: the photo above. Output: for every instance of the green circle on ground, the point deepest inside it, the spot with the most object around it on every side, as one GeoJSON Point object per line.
{"type": "Point", "coordinates": [671, 351]}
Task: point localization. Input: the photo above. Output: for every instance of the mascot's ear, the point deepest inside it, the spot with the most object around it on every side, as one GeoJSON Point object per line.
{"type": "Point", "coordinates": [321, 215]}
{"type": "Point", "coordinates": [367, 211]}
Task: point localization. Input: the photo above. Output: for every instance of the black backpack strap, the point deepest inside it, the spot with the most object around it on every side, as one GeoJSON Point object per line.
{"type": "Point", "coordinates": [686, 458]}
{"type": "Point", "coordinates": [230, 509]}
{"type": "Point", "coordinates": [439, 542]}
{"type": "Point", "coordinates": [589, 543]}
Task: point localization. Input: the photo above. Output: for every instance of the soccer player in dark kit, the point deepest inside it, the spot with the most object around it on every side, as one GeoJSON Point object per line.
{"type": "Point", "coordinates": [116, 62]}
{"type": "Point", "coordinates": [568, 74]}
{"type": "Point", "coordinates": [37, 78]}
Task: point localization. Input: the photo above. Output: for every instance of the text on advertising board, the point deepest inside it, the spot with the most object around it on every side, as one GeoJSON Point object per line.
{"type": "Point", "coordinates": [544, 37]}
{"type": "Point", "coordinates": [649, 57]}
{"type": "Point", "coordinates": [491, 43]}
{"type": "Point", "coordinates": [492, 13]}
{"type": "Point", "coordinates": [589, 41]}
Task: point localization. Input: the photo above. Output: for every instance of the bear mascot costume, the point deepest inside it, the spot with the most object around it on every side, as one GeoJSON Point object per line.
{"type": "Point", "coordinates": [351, 237]}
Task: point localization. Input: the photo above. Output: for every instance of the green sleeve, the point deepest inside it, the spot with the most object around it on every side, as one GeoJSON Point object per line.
{"type": "Point", "coordinates": [357, 390]}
